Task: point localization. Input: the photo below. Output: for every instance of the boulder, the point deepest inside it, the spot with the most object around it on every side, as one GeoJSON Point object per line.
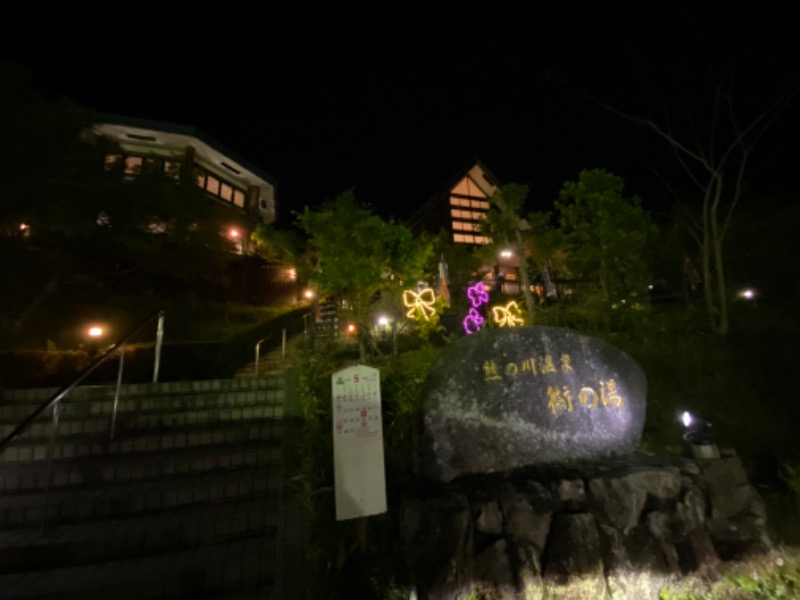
{"type": "Point", "coordinates": [508, 398]}
{"type": "Point", "coordinates": [573, 562]}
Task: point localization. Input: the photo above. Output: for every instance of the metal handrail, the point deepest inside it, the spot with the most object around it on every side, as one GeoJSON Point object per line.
{"type": "Point", "coordinates": [258, 350]}
{"type": "Point", "coordinates": [54, 400]}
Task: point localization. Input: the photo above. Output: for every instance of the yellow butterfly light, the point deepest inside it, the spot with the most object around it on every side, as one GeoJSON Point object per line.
{"type": "Point", "coordinates": [422, 302]}
{"type": "Point", "coordinates": [508, 315]}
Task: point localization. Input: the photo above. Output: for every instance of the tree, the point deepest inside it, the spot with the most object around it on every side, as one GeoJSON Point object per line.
{"type": "Point", "coordinates": [354, 254]}
{"type": "Point", "coordinates": [607, 235]}
{"type": "Point", "coordinates": [715, 158]}
{"type": "Point", "coordinates": [506, 227]}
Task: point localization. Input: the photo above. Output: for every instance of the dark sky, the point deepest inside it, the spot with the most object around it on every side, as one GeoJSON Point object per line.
{"type": "Point", "coordinates": [391, 100]}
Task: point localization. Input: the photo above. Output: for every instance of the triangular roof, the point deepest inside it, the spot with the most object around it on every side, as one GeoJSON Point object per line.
{"type": "Point", "coordinates": [477, 172]}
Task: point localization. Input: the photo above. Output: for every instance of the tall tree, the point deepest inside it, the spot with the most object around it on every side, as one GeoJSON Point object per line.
{"type": "Point", "coordinates": [355, 254]}
{"type": "Point", "coordinates": [608, 235]}
{"type": "Point", "coordinates": [716, 160]}
{"type": "Point", "coordinates": [506, 227]}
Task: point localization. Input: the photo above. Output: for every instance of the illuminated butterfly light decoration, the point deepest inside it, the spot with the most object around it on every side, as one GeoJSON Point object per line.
{"type": "Point", "coordinates": [508, 315]}
{"type": "Point", "coordinates": [505, 316]}
{"type": "Point", "coordinates": [420, 303]}
{"type": "Point", "coordinates": [478, 296]}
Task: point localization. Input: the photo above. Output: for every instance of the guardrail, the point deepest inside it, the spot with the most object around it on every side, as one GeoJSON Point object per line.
{"type": "Point", "coordinates": [54, 402]}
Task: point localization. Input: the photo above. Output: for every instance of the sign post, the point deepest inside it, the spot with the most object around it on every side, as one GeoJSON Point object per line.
{"type": "Point", "coordinates": [358, 443]}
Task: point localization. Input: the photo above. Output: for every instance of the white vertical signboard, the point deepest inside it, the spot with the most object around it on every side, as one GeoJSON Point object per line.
{"type": "Point", "coordinates": [358, 443]}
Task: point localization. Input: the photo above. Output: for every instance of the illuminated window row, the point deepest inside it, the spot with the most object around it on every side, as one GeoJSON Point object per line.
{"type": "Point", "coordinates": [217, 187]}
{"type": "Point", "coordinates": [132, 166]}
{"type": "Point", "coordinates": [466, 238]}
{"type": "Point", "coordinates": [467, 203]}
{"type": "Point", "coordinates": [135, 165]}
{"type": "Point", "coordinates": [465, 226]}
{"type": "Point", "coordinates": [467, 214]}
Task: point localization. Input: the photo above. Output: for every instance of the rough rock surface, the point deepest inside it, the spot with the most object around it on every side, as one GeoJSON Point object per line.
{"type": "Point", "coordinates": [506, 398]}
{"type": "Point", "coordinates": [621, 528]}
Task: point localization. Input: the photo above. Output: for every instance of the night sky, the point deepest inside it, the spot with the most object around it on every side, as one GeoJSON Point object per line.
{"type": "Point", "coordinates": [392, 100]}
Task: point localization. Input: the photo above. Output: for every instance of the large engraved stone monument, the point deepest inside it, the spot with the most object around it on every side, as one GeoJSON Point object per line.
{"type": "Point", "coordinates": [508, 398]}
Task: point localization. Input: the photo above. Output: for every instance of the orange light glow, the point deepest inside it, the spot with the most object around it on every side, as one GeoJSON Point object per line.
{"type": "Point", "coordinates": [95, 331]}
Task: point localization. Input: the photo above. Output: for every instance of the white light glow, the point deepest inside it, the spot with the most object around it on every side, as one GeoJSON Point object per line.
{"type": "Point", "coordinates": [506, 254]}
{"type": "Point", "coordinates": [383, 320]}
{"type": "Point", "coordinates": [95, 331]}
{"type": "Point", "coordinates": [309, 294]}
{"type": "Point", "coordinates": [747, 293]}
{"type": "Point", "coordinates": [687, 419]}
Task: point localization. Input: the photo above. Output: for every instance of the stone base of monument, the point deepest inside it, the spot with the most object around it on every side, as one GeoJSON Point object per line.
{"type": "Point", "coordinates": [618, 528]}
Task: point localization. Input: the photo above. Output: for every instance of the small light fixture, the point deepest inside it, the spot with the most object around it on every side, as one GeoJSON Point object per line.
{"type": "Point", "coordinates": [699, 436]}
{"type": "Point", "coordinates": [233, 233]}
{"type": "Point", "coordinates": [383, 320]}
{"type": "Point", "coordinates": [747, 294]}
{"type": "Point", "coordinates": [506, 254]}
{"type": "Point", "coordinates": [351, 328]}
{"type": "Point", "coordinates": [309, 294]}
{"type": "Point", "coordinates": [95, 331]}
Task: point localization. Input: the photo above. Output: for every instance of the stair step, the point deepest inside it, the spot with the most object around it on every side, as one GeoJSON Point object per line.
{"type": "Point", "coordinates": [115, 539]}
{"type": "Point", "coordinates": [32, 449]}
{"type": "Point", "coordinates": [143, 419]}
{"type": "Point", "coordinates": [182, 503]}
{"type": "Point", "coordinates": [224, 569]}
{"type": "Point", "coordinates": [86, 504]}
{"type": "Point", "coordinates": [25, 477]}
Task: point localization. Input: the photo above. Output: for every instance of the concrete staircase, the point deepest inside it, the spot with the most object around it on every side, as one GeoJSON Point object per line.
{"type": "Point", "coordinates": [182, 503]}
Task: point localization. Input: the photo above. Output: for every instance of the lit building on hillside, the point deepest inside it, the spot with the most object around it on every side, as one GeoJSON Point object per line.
{"type": "Point", "coordinates": [459, 207]}
{"type": "Point", "coordinates": [187, 154]}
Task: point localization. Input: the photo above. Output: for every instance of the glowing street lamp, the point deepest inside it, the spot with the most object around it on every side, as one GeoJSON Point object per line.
{"type": "Point", "coordinates": [506, 254]}
{"type": "Point", "coordinates": [95, 332]}
{"type": "Point", "coordinates": [308, 294]}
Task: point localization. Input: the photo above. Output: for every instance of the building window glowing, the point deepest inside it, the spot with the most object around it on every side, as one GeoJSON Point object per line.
{"type": "Point", "coordinates": [133, 165]}
{"type": "Point", "coordinates": [463, 238]}
{"type": "Point", "coordinates": [112, 161]}
{"type": "Point", "coordinates": [465, 226]}
{"type": "Point", "coordinates": [467, 214]}
{"type": "Point", "coordinates": [226, 192]}
{"type": "Point", "coordinates": [212, 185]}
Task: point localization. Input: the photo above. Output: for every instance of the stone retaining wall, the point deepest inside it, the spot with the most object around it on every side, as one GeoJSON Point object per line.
{"type": "Point", "coordinates": [621, 529]}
